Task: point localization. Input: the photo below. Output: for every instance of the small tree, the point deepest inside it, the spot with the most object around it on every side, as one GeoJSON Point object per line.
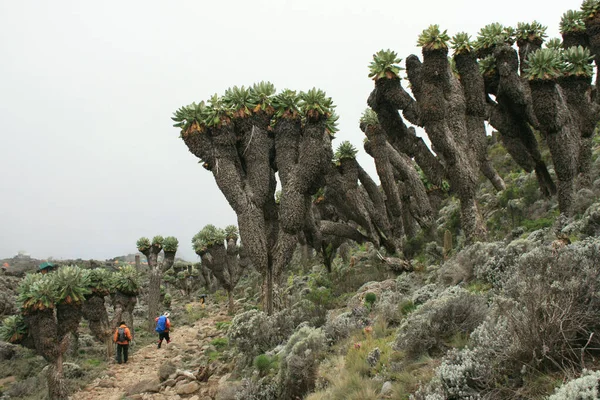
{"type": "Point", "coordinates": [151, 250]}
{"type": "Point", "coordinates": [221, 254]}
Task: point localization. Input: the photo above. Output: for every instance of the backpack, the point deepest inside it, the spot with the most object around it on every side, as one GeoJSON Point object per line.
{"type": "Point", "coordinates": [121, 337]}
{"type": "Point", "coordinates": [161, 324]}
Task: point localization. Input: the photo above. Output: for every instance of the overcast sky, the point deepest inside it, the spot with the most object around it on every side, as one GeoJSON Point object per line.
{"type": "Point", "coordinates": [89, 159]}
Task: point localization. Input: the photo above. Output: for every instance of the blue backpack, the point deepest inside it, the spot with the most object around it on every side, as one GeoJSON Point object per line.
{"type": "Point", "coordinates": [161, 324]}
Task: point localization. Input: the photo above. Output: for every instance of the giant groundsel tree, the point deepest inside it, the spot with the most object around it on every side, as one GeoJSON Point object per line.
{"type": "Point", "coordinates": [222, 255]}
{"type": "Point", "coordinates": [247, 136]}
{"type": "Point", "coordinates": [51, 305]}
{"type": "Point", "coordinates": [151, 250]}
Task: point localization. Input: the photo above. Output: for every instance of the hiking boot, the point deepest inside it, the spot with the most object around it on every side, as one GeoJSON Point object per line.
{"type": "Point", "coordinates": [158, 346]}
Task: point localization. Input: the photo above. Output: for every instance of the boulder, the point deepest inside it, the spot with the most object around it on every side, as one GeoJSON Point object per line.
{"type": "Point", "coordinates": [387, 389]}
{"type": "Point", "coordinates": [7, 351]}
{"type": "Point", "coordinates": [187, 388]}
{"type": "Point", "coordinates": [166, 370]}
{"type": "Point", "coordinates": [106, 383]}
{"type": "Point", "coordinates": [169, 382]}
{"type": "Point", "coordinates": [146, 386]}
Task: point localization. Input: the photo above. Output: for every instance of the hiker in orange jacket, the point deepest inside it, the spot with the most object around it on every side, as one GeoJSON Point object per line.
{"type": "Point", "coordinates": [122, 337]}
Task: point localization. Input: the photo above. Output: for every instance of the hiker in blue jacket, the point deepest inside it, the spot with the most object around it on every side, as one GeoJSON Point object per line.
{"type": "Point", "coordinates": [163, 325]}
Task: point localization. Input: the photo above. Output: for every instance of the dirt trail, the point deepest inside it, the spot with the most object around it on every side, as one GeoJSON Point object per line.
{"type": "Point", "coordinates": [120, 379]}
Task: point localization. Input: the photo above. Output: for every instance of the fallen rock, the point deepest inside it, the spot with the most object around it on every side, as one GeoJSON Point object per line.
{"type": "Point", "coordinates": [7, 351]}
{"type": "Point", "coordinates": [187, 388]}
{"type": "Point", "coordinates": [187, 374]}
{"type": "Point", "coordinates": [169, 382]}
{"type": "Point", "coordinates": [387, 389]}
{"type": "Point", "coordinates": [106, 383]}
{"type": "Point", "coordinates": [149, 385]}
{"type": "Point", "coordinates": [166, 370]}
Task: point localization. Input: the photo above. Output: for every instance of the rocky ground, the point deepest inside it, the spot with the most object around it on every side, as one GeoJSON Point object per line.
{"type": "Point", "coordinates": [179, 370]}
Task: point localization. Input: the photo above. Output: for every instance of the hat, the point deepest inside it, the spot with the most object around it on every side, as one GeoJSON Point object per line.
{"type": "Point", "coordinates": [167, 314]}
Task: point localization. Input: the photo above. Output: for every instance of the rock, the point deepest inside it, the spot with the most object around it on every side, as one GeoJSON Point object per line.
{"type": "Point", "coordinates": [373, 357]}
{"type": "Point", "coordinates": [169, 382]}
{"type": "Point", "coordinates": [204, 372]}
{"type": "Point", "coordinates": [187, 388]}
{"type": "Point", "coordinates": [7, 381]}
{"type": "Point", "coordinates": [106, 383]}
{"type": "Point", "coordinates": [149, 385]}
{"type": "Point", "coordinates": [194, 397]}
{"type": "Point", "coordinates": [7, 351]}
{"type": "Point", "coordinates": [387, 389]}
{"type": "Point", "coordinates": [135, 397]}
{"type": "Point", "coordinates": [166, 370]}
{"type": "Point", "coordinates": [187, 374]}
{"type": "Point", "coordinates": [223, 379]}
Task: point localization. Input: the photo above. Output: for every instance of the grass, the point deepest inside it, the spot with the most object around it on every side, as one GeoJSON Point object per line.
{"type": "Point", "coordinates": [220, 343]}
{"type": "Point", "coordinates": [193, 313]}
{"type": "Point", "coordinates": [223, 325]}
{"type": "Point", "coordinates": [406, 307]}
{"type": "Point", "coordinates": [478, 287]}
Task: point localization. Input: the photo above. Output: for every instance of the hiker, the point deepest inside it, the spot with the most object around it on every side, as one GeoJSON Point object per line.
{"type": "Point", "coordinates": [122, 338]}
{"type": "Point", "coordinates": [163, 325]}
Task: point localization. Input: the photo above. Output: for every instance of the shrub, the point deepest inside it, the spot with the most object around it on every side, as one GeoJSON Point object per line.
{"type": "Point", "coordinates": [425, 293]}
{"type": "Point", "coordinates": [555, 299]}
{"type": "Point", "coordinates": [541, 324]}
{"type": "Point", "coordinates": [167, 300]}
{"type": "Point", "coordinates": [583, 388]}
{"type": "Point", "coordinates": [220, 343]}
{"type": "Point", "coordinates": [260, 389]}
{"type": "Point", "coordinates": [370, 298]}
{"type": "Point", "coordinates": [495, 268]}
{"type": "Point", "coordinates": [430, 326]}
{"type": "Point", "coordinates": [264, 363]}
{"type": "Point", "coordinates": [388, 308]}
{"type": "Point", "coordinates": [341, 326]}
{"type": "Point", "coordinates": [252, 333]}
{"type": "Point", "coordinates": [462, 266]}
{"type": "Point", "coordinates": [299, 361]}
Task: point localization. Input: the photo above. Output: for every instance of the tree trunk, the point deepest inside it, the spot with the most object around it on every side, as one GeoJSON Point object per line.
{"type": "Point", "coordinates": [109, 346]}
{"type": "Point", "coordinates": [267, 289]}
{"type": "Point", "coordinates": [153, 297]}
{"type": "Point", "coordinates": [57, 390]}
{"type": "Point", "coordinates": [562, 136]}
{"type": "Point", "coordinates": [231, 305]}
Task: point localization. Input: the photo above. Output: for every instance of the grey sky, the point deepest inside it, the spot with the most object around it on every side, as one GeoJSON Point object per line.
{"type": "Point", "coordinates": [90, 161]}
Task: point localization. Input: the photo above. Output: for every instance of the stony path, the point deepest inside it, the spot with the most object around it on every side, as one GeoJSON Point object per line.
{"type": "Point", "coordinates": [143, 365]}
